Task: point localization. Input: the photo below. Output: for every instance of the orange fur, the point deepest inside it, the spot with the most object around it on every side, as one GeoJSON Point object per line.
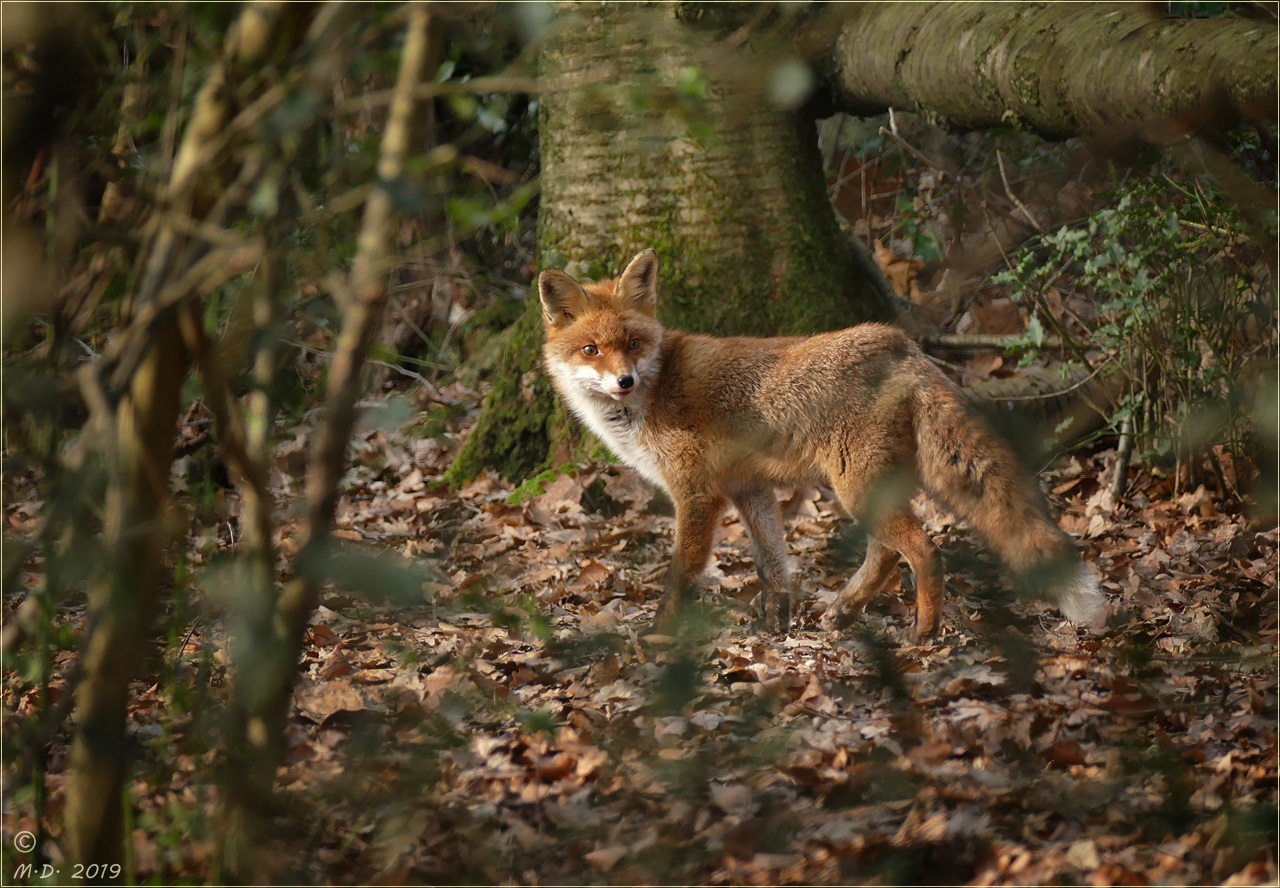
{"type": "Point", "coordinates": [716, 420]}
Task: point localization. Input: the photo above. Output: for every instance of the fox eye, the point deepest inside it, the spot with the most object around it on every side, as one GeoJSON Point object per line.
{"type": "Point", "coordinates": [633, 345]}
{"type": "Point", "coordinates": [590, 351]}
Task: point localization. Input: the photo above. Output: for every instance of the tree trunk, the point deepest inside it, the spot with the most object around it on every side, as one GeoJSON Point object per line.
{"type": "Point", "coordinates": [639, 150]}
{"type": "Point", "coordinates": [1110, 70]}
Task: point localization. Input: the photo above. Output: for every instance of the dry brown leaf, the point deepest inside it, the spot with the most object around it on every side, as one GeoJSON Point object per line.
{"type": "Point", "coordinates": [606, 858]}
{"type": "Point", "coordinates": [591, 574]}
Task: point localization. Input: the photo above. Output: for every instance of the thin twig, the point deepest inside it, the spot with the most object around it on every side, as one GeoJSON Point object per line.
{"type": "Point", "coordinates": [740, 36]}
{"type": "Point", "coordinates": [985, 340]}
{"type": "Point", "coordinates": [915, 152]}
{"type": "Point", "coordinates": [1057, 393]}
{"type": "Point", "coordinates": [169, 133]}
{"type": "Point", "coordinates": [475, 86]}
{"type": "Point", "coordinates": [432, 392]}
{"type": "Point", "coordinates": [215, 269]}
{"type": "Point", "coordinates": [1035, 223]}
{"type": "Point", "coordinates": [1120, 480]}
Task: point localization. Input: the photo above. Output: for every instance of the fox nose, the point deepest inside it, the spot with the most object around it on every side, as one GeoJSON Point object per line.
{"type": "Point", "coordinates": [626, 382]}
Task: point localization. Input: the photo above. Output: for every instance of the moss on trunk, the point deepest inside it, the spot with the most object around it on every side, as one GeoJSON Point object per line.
{"type": "Point", "coordinates": [521, 422]}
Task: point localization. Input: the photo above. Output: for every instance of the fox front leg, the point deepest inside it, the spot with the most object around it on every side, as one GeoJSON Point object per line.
{"type": "Point", "coordinates": [696, 518]}
{"type": "Point", "coordinates": [758, 508]}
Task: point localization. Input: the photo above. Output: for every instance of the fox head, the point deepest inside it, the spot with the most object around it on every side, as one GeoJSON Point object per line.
{"type": "Point", "coordinates": [603, 337]}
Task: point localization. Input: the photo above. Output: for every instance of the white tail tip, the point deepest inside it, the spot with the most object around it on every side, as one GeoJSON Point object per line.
{"type": "Point", "coordinates": [1081, 600]}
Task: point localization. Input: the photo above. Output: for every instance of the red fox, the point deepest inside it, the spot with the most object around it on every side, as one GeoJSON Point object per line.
{"type": "Point", "coordinates": [713, 420]}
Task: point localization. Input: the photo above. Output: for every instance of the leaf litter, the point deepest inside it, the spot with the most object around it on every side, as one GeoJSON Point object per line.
{"type": "Point", "coordinates": [520, 723]}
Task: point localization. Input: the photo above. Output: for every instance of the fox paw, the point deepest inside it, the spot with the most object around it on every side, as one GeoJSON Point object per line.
{"type": "Point", "coordinates": [922, 634]}
{"type": "Point", "coordinates": [773, 624]}
{"type": "Point", "coordinates": [667, 616]}
{"type": "Point", "coordinates": [837, 618]}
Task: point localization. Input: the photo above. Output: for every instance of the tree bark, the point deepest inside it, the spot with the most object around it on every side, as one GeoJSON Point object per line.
{"type": "Point", "coordinates": [639, 151]}
{"type": "Point", "coordinates": [1109, 70]}
{"type": "Point", "coordinates": [728, 189]}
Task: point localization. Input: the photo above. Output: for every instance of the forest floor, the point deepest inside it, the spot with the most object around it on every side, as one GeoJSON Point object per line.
{"type": "Point", "coordinates": [517, 722]}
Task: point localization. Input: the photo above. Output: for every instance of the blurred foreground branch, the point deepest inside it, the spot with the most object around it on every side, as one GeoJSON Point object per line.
{"type": "Point", "coordinates": [138, 430]}
{"type": "Point", "coordinates": [262, 706]}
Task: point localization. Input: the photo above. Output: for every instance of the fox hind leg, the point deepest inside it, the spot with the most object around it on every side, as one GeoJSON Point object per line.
{"type": "Point", "coordinates": [862, 586]}
{"type": "Point", "coordinates": [904, 533]}
{"type": "Point", "coordinates": [875, 479]}
{"type": "Point", "coordinates": [897, 533]}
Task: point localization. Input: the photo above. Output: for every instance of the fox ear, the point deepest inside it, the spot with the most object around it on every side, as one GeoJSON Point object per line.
{"type": "Point", "coordinates": [563, 299]}
{"type": "Point", "coordinates": [638, 284]}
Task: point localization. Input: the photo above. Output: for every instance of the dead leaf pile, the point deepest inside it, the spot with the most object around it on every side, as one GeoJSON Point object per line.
{"type": "Point", "coordinates": [519, 722]}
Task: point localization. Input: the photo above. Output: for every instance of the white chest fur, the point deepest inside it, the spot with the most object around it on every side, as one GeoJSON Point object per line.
{"type": "Point", "coordinates": [617, 423]}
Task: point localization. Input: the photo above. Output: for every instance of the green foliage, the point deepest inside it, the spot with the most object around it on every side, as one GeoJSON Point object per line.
{"type": "Point", "coordinates": [912, 215]}
{"type": "Point", "coordinates": [913, 226]}
{"type": "Point", "coordinates": [537, 485]}
{"type": "Point", "coordinates": [1182, 303]}
{"type": "Point", "coordinates": [375, 576]}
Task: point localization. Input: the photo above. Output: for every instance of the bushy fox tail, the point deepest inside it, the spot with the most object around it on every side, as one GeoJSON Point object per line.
{"type": "Point", "coordinates": [975, 474]}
